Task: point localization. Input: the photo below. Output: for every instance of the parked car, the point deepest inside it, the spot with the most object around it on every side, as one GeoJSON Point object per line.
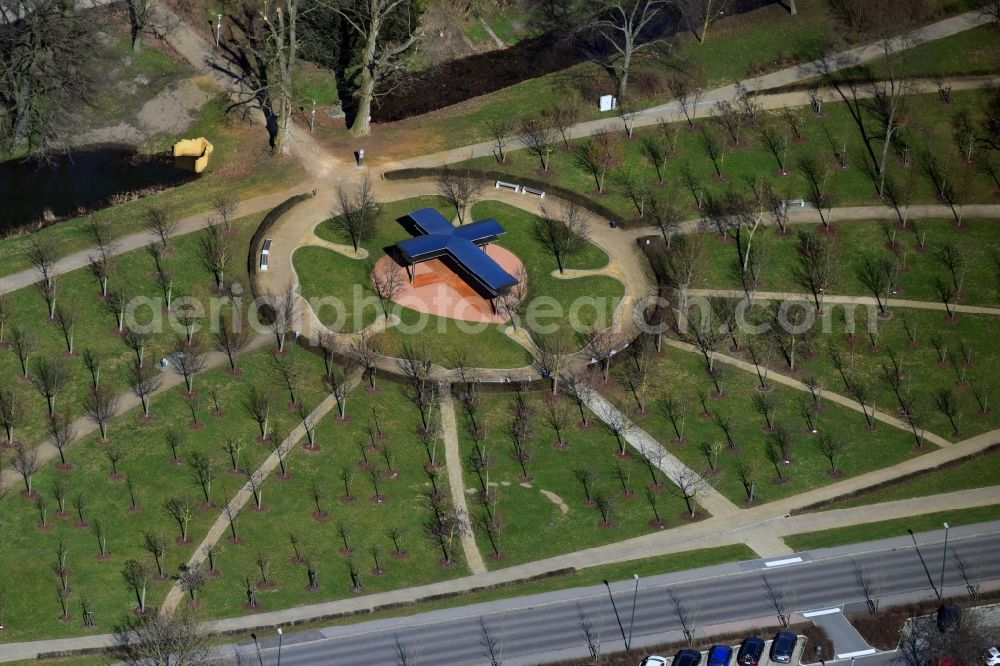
{"type": "Point", "coordinates": [947, 661]}
{"type": "Point", "coordinates": [654, 660]}
{"type": "Point", "coordinates": [949, 618]}
{"type": "Point", "coordinates": [720, 655]}
{"type": "Point", "coordinates": [751, 650]}
{"type": "Point", "coordinates": [782, 647]}
{"type": "Point", "coordinates": [992, 656]}
{"type": "Point", "coordinates": [687, 658]}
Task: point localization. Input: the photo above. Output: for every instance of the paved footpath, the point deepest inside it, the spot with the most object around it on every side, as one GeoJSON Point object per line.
{"type": "Point", "coordinates": [453, 463]}
{"type": "Point", "coordinates": [714, 502]}
{"type": "Point", "coordinates": [846, 300]}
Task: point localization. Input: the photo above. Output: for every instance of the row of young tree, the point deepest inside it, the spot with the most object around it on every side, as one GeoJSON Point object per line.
{"type": "Point", "coordinates": [874, 111]}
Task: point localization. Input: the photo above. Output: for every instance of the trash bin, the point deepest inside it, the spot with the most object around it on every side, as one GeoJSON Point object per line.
{"type": "Point", "coordinates": [614, 224]}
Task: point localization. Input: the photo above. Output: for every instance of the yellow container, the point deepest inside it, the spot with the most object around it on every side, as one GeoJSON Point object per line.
{"type": "Point", "coordinates": [192, 154]}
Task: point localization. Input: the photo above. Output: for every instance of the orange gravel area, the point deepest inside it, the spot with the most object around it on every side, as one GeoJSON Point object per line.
{"type": "Point", "coordinates": [439, 291]}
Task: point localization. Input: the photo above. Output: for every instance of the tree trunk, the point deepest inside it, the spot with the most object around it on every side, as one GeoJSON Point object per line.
{"type": "Point", "coordinates": [361, 125]}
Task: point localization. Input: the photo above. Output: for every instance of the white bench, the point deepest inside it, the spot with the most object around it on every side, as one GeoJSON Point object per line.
{"type": "Point", "coordinates": [265, 254]}
{"type": "Point", "coordinates": [531, 190]}
{"type": "Point", "coordinates": [511, 186]}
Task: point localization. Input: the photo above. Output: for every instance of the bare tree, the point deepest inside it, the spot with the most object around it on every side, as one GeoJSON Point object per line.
{"type": "Point", "coordinates": [50, 377]}
{"type": "Point", "coordinates": [49, 69]}
{"type": "Point", "coordinates": [618, 423]}
{"type": "Point", "coordinates": [817, 265]}
{"type": "Point", "coordinates": [833, 449]}
{"type": "Point", "coordinates": [164, 638]}
{"type": "Point", "coordinates": [225, 207]}
{"type": "Point", "coordinates": [625, 26]}
{"type": "Point", "coordinates": [748, 472]}
{"type": "Point", "coordinates": [689, 485]}
{"type": "Point", "coordinates": [366, 350]}
{"type": "Point", "coordinates": [501, 129]}
{"type": "Point", "coordinates": [874, 273]}
{"type": "Point", "coordinates": [562, 116]}
{"type": "Point", "coordinates": [355, 212]}
{"type": "Point", "coordinates": [700, 14]}
{"type": "Point", "coordinates": [101, 406]}
{"type": "Point", "coordinates": [600, 154]}
{"type": "Point", "coordinates": [182, 510]}
{"type": "Point", "coordinates": [136, 575]}
{"type": "Point", "coordinates": [562, 234]}
{"type": "Point", "coordinates": [268, 53]}
{"type": "Point", "coordinates": [288, 370]}
{"type": "Point", "coordinates": [61, 434]}
{"type": "Point", "coordinates": [539, 138]}
{"type": "Point", "coordinates": [461, 189]}
{"type": "Point", "coordinates": [13, 411]}
{"type": "Point", "coordinates": [688, 96]}
{"type": "Point", "coordinates": [216, 253]}
{"type": "Point", "coordinates": [231, 338]}
{"type": "Point", "coordinates": [137, 341]}
{"type": "Point", "coordinates": [188, 361]}
{"type": "Point", "coordinates": [389, 282]}
{"type": "Point", "coordinates": [144, 382]}
{"type": "Point", "coordinates": [26, 464]}
{"type": "Point", "coordinates": [159, 221]}
{"type": "Point", "coordinates": [258, 405]}
{"type": "Point", "coordinates": [370, 22]}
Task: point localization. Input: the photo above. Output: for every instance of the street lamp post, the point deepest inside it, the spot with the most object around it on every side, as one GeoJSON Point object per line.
{"type": "Point", "coordinates": [218, 29]}
{"type": "Point", "coordinates": [944, 557]}
{"type": "Point", "coordinates": [635, 595]}
{"type": "Point", "coordinates": [280, 632]}
{"type": "Point", "coordinates": [312, 118]}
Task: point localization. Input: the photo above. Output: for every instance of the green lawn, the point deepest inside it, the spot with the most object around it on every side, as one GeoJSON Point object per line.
{"type": "Point", "coordinates": [973, 51]}
{"type": "Point", "coordinates": [240, 166]}
{"type": "Point", "coordinates": [976, 471]}
{"type": "Point", "coordinates": [850, 187]}
{"type": "Point", "coordinates": [533, 525]}
{"type": "Point", "coordinates": [324, 273]}
{"type": "Point", "coordinates": [681, 375]}
{"type": "Point", "coordinates": [854, 240]}
{"type": "Point", "coordinates": [290, 509]}
{"type": "Point", "coordinates": [923, 375]}
{"type": "Point", "coordinates": [96, 329]}
{"type": "Point", "coordinates": [32, 607]}
{"type": "Point", "coordinates": [890, 528]}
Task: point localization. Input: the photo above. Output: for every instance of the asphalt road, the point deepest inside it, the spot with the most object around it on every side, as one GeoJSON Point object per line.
{"type": "Point", "coordinates": [549, 626]}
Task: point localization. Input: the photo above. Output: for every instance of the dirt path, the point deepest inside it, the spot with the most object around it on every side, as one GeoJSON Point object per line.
{"type": "Point", "coordinates": [453, 461]}
{"type": "Point", "coordinates": [170, 112]}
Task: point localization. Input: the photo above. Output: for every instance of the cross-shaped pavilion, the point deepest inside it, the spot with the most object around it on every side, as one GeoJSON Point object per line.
{"type": "Point", "coordinates": [463, 245]}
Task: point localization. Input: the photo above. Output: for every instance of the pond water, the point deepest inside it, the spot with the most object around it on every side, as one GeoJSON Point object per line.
{"type": "Point", "coordinates": [36, 192]}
